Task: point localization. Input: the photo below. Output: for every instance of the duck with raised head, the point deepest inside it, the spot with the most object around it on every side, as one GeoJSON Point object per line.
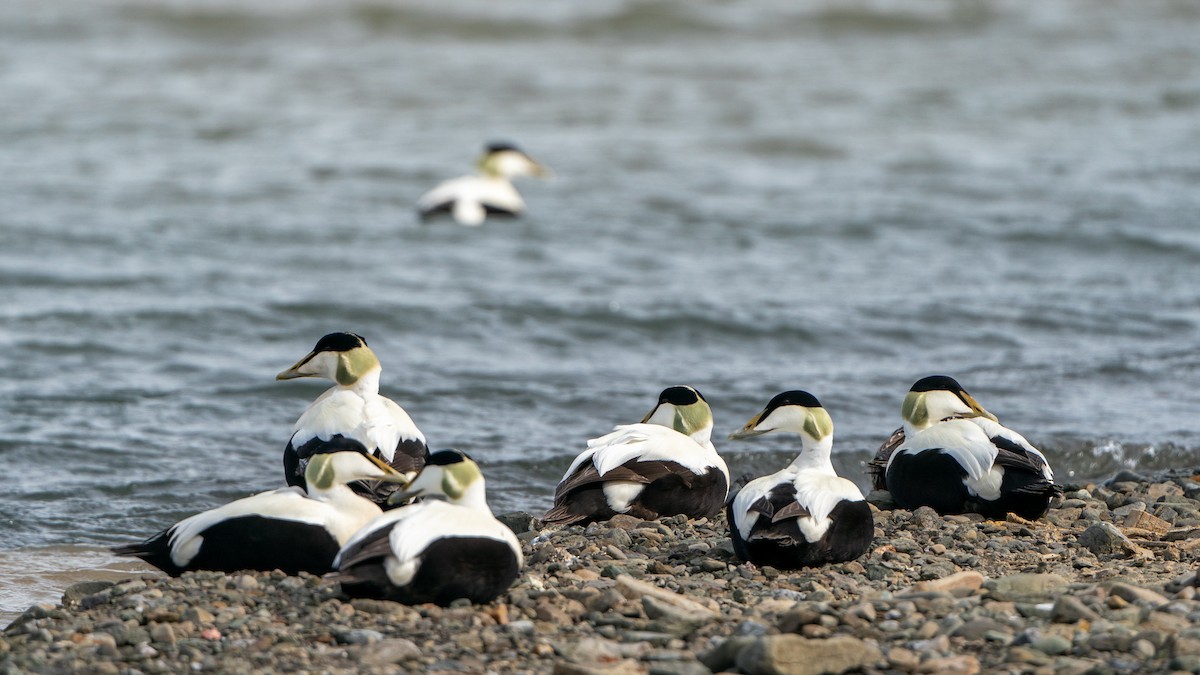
{"type": "Point", "coordinates": [351, 415]}
{"type": "Point", "coordinates": [290, 529]}
{"type": "Point", "coordinates": [444, 547]}
{"type": "Point", "coordinates": [665, 465]}
{"type": "Point", "coordinates": [804, 515]}
{"type": "Point", "coordinates": [472, 198]}
{"type": "Point", "coordinates": [956, 458]}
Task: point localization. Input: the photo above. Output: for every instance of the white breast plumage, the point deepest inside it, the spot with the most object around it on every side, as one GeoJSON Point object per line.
{"type": "Point", "coordinates": [376, 422]}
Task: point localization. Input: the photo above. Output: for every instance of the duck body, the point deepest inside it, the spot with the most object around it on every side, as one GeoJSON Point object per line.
{"type": "Point", "coordinates": [955, 457]}
{"type": "Point", "coordinates": [472, 198]}
{"type": "Point", "coordinates": [359, 419]}
{"type": "Point", "coordinates": [287, 529]}
{"type": "Point", "coordinates": [433, 550]}
{"type": "Point", "coordinates": [790, 520]}
{"type": "Point", "coordinates": [351, 415]}
{"type": "Point", "coordinates": [956, 467]}
{"type": "Point", "coordinates": [666, 465]}
{"type": "Point", "coordinates": [642, 470]}
{"type": "Point", "coordinates": [804, 515]}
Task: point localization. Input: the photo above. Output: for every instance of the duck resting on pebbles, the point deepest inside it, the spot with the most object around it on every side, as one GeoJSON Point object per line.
{"type": "Point", "coordinates": [663, 466]}
{"type": "Point", "coordinates": [289, 529]}
{"type": "Point", "coordinates": [957, 458]}
{"type": "Point", "coordinates": [444, 547]}
{"type": "Point", "coordinates": [804, 515]}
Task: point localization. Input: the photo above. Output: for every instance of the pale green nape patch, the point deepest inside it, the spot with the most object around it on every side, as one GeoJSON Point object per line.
{"type": "Point", "coordinates": [351, 365]}
{"type": "Point", "coordinates": [692, 418]}
{"type": "Point", "coordinates": [488, 165]}
{"type": "Point", "coordinates": [458, 477]}
{"type": "Point", "coordinates": [320, 474]}
{"type": "Point", "coordinates": [914, 409]}
{"type": "Point", "coordinates": [818, 423]}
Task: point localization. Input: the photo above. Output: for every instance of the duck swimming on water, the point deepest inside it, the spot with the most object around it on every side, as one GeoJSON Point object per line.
{"type": "Point", "coordinates": [957, 458]}
{"type": "Point", "coordinates": [805, 514]}
{"type": "Point", "coordinates": [472, 198]}
{"type": "Point", "coordinates": [351, 415]}
{"type": "Point", "coordinates": [663, 466]}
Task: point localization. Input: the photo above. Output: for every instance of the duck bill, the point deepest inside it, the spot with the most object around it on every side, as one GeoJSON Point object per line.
{"type": "Point", "coordinates": [390, 475]}
{"type": "Point", "coordinates": [296, 370]}
{"type": "Point", "coordinates": [541, 171]}
{"type": "Point", "coordinates": [976, 409]}
{"type": "Point", "coordinates": [748, 431]}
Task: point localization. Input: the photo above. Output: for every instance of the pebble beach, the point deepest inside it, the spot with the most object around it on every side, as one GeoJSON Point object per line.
{"type": "Point", "coordinates": [1105, 582]}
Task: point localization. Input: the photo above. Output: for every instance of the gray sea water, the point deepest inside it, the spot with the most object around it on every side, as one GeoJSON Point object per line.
{"type": "Point", "coordinates": [839, 196]}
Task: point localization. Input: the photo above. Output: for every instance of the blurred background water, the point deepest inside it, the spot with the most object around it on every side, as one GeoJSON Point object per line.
{"type": "Point", "coordinates": [840, 196]}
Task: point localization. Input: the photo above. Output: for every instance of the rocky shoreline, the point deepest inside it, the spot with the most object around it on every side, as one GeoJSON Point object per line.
{"type": "Point", "coordinates": [1106, 582]}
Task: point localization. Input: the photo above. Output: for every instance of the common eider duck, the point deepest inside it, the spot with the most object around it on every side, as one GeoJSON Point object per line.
{"type": "Point", "coordinates": [664, 466]}
{"type": "Point", "coordinates": [877, 467]}
{"type": "Point", "coordinates": [805, 515]}
{"type": "Point", "coordinates": [351, 415]}
{"type": "Point", "coordinates": [957, 458]}
{"type": "Point", "coordinates": [472, 198]}
{"type": "Point", "coordinates": [288, 529]}
{"type": "Point", "coordinates": [433, 550]}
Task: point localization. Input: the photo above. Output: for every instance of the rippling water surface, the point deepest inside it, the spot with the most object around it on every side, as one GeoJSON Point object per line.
{"type": "Point", "coordinates": [750, 197]}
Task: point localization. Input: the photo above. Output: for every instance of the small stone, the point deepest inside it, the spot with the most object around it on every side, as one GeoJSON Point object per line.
{"type": "Point", "coordinates": [75, 593]}
{"type": "Point", "coordinates": [725, 655]}
{"type": "Point", "coordinates": [964, 664]}
{"type": "Point", "coordinates": [517, 521]}
{"type": "Point", "coordinates": [978, 629]}
{"type": "Point", "coordinates": [794, 655]}
{"type": "Point", "coordinates": [360, 636]}
{"type": "Point", "coordinates": [163, 633]}
{"type": "Point", "coordinates": [1054, 645]}
{"type": "Point", "coordinates": [198, 615]}
{"type": "Point", "coordinates": [903, 659]}
{"type": "Point", "coordinates": [802, 615]}
{"type": "Point", "coordinates": [1027, 587]}
{"type": "Point", "coordinates": [670, 619]}
{"type": "Point", "coordinates": [104, 643]}
{"type": "Point", "coordinates": [1106, 539]}
{"type": "Point", "coordinates": [1143, 649]}
{"type": "Point", "coordinates": [390, 651]}
{"type": "Point", "coordinates": [1136, 594]}
{"type": "Point", "coordinates": [1070, 609]}
{"type": "Point", "coordinates": [245, 582]}
{"type": "Point", "coordinates": [636, 589]}
{"type": "Point", "coordinates": [522, 627]}
{"type": "Point", "coordinates": [967, 581]}
{"type": "Point", "coordinates": [1144, 521]}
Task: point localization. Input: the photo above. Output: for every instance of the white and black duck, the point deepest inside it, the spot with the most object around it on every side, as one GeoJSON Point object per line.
{"type": "Point", "coordinates": [472, 198]}
{"type": "Point", "coordinates": [444, 547]}
{"type": "Point", "coordinates": [288, 529]}
{"type": "Point", "coordinates": [957, 458]}
{"type": "Point", "coordinates": [804, 515]}
{"type": "Point", "coordinates": [351, 415]}
{"type": "Point", "coordinates": [664, 466]}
